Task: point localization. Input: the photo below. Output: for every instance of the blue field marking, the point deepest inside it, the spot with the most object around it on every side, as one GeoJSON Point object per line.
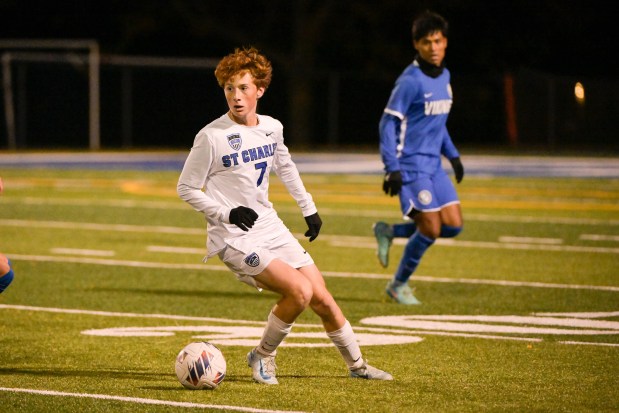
{"type": "Point", "coordinates": [156, 161]}
{"type": "Point", "coordinates": [327, 163]}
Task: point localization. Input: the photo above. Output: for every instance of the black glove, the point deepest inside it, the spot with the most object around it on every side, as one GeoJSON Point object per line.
{"type": "Point", "coordinates": [392, 183]}
{"type": "Point", "coordinates": [313, 223]}
{"type": "Point", "coordinates": [458, 168]}
{"type": "Point", "coordinates": [243, 217]}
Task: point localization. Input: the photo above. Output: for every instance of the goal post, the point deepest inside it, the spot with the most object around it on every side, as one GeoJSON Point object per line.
{"type": "Point", "coordinates": [16, 52]}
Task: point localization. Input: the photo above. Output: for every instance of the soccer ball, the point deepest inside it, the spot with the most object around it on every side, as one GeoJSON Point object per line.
{"type": "Point", "coordinates": [200, 365]}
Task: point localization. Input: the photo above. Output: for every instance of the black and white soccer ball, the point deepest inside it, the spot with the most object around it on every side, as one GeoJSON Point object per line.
{"type": "Point", "coordinates": [200, 365]}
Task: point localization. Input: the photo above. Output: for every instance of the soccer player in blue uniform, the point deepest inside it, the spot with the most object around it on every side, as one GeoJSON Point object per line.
{"type": "Point", "coordinates": [6, 270]}
{"type": "Point", "coordinates": [413, 137]}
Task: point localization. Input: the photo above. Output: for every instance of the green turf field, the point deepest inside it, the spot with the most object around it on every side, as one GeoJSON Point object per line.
{"type": "Point", "coordinates": [520, 313]}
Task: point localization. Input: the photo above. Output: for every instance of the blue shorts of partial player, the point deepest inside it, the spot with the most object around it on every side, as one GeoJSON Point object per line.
{"type": "Point", "coordinates": [7, 278]}
{"type": "Point", "coordinates": [426, 193]}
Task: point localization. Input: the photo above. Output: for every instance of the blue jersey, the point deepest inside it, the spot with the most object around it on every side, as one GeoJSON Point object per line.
{"type": "Point", "coordinates": [413, 132]}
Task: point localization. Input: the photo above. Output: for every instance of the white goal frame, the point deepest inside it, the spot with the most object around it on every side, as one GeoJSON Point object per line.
{"type": "Point", "coordinates": [91, 46]}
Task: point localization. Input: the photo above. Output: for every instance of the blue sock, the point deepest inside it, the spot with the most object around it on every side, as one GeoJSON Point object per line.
{"type": "Point", "coordinates": [449, 231]}
{"type": "Point", "coordinates": [6, 279]}
{"type": "Point", "coordinates": [405, 230]}
{"type": "Point", "coordinates": [414, 250]}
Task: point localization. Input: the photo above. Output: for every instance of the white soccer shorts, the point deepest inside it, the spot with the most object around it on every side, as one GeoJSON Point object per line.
{"type": "Point", "coordinates": [246, 258]}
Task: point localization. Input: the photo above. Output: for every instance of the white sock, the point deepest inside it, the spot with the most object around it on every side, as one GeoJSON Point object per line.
{"type": "Point", "coordinates": [346, 342]}
{"type": "Point", "coordinates": [274, 333]}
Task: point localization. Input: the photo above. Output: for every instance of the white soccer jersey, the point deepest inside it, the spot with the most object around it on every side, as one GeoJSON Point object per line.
{"type": "Point", "coordinates": [229, 166]}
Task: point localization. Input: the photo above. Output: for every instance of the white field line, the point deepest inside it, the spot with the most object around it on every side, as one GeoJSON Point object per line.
{"type": "Point", "coordinates": [102, 227]}
{"type": "Point", "coordinates": [580, 314]}
{"type": "Point", "coordinates": [116, 263]}
{"type": "Point", "coordinates": [542, 220]}
{"type": "Point", "coordinates": [242, 322]}
{"type": "Point", "coordinates": [585, 343]}
{"type": "Point", "coordinates": [250, 323]}
{"type": "Point", "coordinates": [118, 203]}
{"type": "Point", "coordinates": [519, 246]}
{"type": "Point", "coordinates": [136, 315]}
{"type": "Point", "coordinates": [176, 250]}
{"type": "Point", "coordinates": [530, 240]}
{"type": "Point", "coordinates": [336, 240]}
{"type": "Point", "coordinates": [596, 237]}
{"type": "Point", "coordinates": [382, 214]}
{"type": "Point", "coordinates": [236, 323]}
{"type": "Point", "coordinates": [81, 251]}
{"type": "Point", "coordinates": [363, 242]}
{"type": "Point", "coordinates": [392, 322]}
{"type": "Point", "coordinates": [140, 400]}
{"type": "Point", "coordinates": [160, 265]}
{"type": "Point", "coordinates": [476, 281]}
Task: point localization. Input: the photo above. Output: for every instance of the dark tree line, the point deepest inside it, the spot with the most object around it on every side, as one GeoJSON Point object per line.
{"type": "Point", "coordinates": [307, 39]}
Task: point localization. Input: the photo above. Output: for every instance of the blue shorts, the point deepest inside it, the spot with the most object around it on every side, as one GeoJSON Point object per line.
{"type": "Point", "coordinates": [426, 193]}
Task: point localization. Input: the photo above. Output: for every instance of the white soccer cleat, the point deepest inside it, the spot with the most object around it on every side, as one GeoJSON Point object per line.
{"type": "Point", "coordinates": [402, 294]}
{"type": "Point", "coordinates": [384, 237]}
{"type": "Point", "coordinates": [370, 373]}
{"type": "Point", "coordinates": [263, 367]}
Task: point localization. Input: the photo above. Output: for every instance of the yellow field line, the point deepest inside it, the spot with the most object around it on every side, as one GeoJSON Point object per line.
{"type": "Point", "coordinates": [370, 195]}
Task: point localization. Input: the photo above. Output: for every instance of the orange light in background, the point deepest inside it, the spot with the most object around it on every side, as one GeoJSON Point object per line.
{"type": "Point", "coordinates": [579, 93]}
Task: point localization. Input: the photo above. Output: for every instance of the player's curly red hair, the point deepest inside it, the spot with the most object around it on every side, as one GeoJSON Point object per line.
{"type": "Point", "coordinates": [245, 60]}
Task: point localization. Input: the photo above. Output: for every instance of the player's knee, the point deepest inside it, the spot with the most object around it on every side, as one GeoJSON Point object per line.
{"type": "Point", "coordinates": [430, 232]}
{"type": "Point", "coordinates": [301, 294]}
{"type": "Point", "coordinates": [5, 264]}
{"type": "Point", "coordinates": [447, 231]}
{"type": "Point", "coordinates": [324, 305]}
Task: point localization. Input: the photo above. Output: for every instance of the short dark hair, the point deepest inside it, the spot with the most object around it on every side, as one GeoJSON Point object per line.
{"type": "Point", "coordinates": [429, 22]}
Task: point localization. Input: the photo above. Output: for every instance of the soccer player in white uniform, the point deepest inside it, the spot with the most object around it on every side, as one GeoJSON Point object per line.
{"type": "Point", "coordinates": [226, 177]}
{"type": "Point", "coordinates": [413, 137]}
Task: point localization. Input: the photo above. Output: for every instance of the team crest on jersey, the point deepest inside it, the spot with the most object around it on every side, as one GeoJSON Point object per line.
{"type": "Point", "coordinates": [253, 260]}
{"type": "Point", "coordinates": [235, 141]}
{"type": "Point", "coordinates": [425, 197]}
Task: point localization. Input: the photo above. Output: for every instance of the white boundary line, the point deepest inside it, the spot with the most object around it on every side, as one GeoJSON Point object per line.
{"type": "Point", "coordinates": [135, 315]}
{"type": "Point", "coordinates": [336, 240]}
{"type": "Point", "coordinates": [140, 400]}
{"type": "Point", "coordinates": [102, 227]}
{"type": "Point", "coordinates": [82, 251]}
{"type": "Point", "coordinates": [364, 242]}
{"type": "Point", "coordinates": [382, 214]}
{"type": "Point", "coordinates": [479, 329]}
{"type": "Point", "coordinates": [587, 343]}
{"type": "Point", "coordinates": [163, 265]}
